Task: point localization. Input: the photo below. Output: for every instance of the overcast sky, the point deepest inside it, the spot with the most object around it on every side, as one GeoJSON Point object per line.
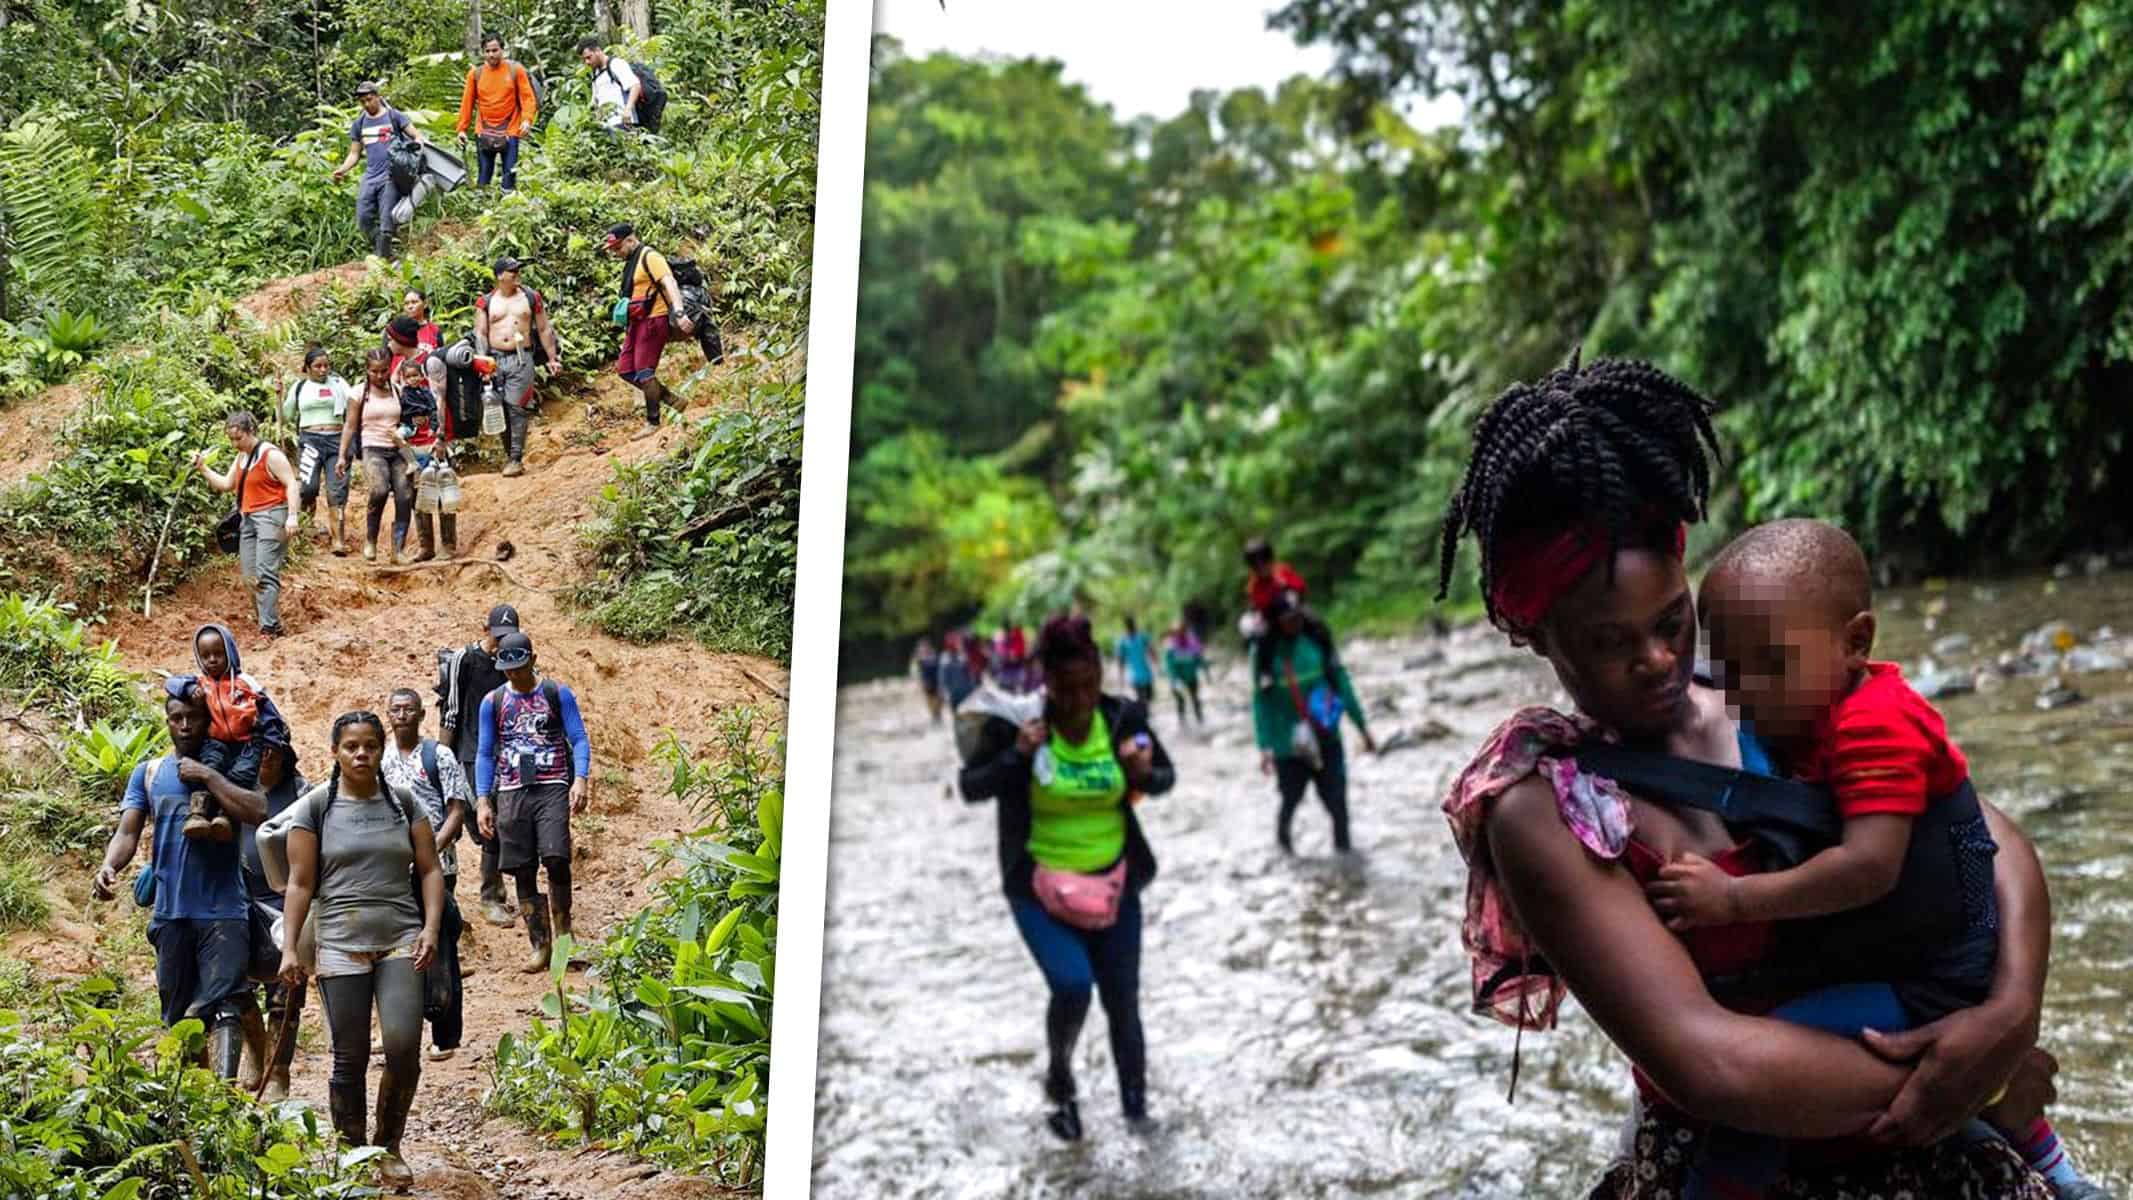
{"type": "Point", "coordinates": [1138, 56]}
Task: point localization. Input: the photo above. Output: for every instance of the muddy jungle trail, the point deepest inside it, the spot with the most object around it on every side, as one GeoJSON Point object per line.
{"type": "Point", "coordinates": [356, 631]}
{"type": "Point", "coordinates": [1307, 1019]}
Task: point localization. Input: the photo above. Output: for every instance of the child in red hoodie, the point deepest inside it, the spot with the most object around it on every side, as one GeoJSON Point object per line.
{"type": "Point", "coordinates": [238, 712]}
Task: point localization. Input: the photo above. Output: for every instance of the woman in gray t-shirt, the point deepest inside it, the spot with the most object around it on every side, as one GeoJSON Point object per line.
{"type": "Point", "coordinates": [354, 845]}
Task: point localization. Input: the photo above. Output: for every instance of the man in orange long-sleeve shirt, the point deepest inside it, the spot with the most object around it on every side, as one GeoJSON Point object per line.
{"type": "Point", "coordinates": [502, 93]}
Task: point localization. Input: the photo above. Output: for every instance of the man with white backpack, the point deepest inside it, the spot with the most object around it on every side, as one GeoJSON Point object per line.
{"type": "Point", "coordinates": [624, 97]}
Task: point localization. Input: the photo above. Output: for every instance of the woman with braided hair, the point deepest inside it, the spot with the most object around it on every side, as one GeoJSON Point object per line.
{"type": "Point", "coordinates": [360, 853]}
{"type": "Point", "coordinates": [1578, 492]}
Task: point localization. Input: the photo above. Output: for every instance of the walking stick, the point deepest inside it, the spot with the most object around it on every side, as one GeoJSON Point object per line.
{"type": "Point", "coordinates": [283, 1026]}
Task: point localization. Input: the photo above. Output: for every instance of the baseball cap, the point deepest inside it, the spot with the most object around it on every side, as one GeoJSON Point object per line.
{"type": "Point", "coordinates": [508, 264]}
{"type": "Point", "coordinates": [366, 87]}
{"type": "Point", "coordinates": [619, 230]}
{"type": "Point", "coordinates": [404, 328]}
{"type": "Point", "coordinates": [513, 650]}
{"type": "Point", "coordinates": [503, 619]}
{"type": "Point", "coordinates": [1257, 549]}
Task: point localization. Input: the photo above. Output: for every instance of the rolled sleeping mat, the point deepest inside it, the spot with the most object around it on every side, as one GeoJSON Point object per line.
{"type": "Point", "coordinates": [404, 211]}
{"type": "Point", "coordinates": [442, 167]}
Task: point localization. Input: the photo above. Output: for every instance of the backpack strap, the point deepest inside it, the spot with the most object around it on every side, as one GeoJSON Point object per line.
{"type": "Point", "coordinates": [429, 767]}
{"type": "Point", "coordinates": [629, 268]}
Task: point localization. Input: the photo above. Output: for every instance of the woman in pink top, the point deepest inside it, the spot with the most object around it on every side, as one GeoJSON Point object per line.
{"type": "Point", "coordinates": [373, 416]}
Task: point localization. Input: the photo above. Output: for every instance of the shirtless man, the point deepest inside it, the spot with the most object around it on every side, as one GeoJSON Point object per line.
{"type": "Point", "coordinates": [505, 323]}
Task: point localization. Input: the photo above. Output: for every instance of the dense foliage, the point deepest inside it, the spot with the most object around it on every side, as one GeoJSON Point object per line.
{"type": "Point", "coordinates": [1891, 243]}
{"type": "Point", "coordinates": [668, 1056]}
{"type": "Point", "coordinates": [94, 723]}
{"type": "Point", "coordinates": [707, 540]}
{"type": "Point", "coordinates": [119, 234]}
{"type": "Point", "coordinates": [108, 1105]}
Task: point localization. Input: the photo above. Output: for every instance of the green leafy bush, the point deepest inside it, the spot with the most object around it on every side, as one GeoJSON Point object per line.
{"type": "Point", "coordinates": [111, 1107]}
{"type": "Point", "coordinates": [22, 900]}
{"type": "Point", "coordinates": [706, 540]}
{"type": "Point", "coordinates": [669, 1055]}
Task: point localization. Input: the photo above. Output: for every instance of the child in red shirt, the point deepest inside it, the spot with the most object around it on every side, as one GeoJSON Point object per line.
{"type": "Point", "coordinates": [1789, 611]}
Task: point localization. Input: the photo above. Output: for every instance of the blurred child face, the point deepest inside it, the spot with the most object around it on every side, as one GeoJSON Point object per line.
{"type": "Point", "coordinates": [1780, 650]}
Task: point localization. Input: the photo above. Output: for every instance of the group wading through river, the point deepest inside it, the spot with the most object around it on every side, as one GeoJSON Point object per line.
{"type": "Point", "coordinates": [1769, 883]}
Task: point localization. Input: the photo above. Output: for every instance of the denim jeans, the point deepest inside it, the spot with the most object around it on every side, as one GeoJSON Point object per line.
{"type": "Point", "coordinates": [488, 162]}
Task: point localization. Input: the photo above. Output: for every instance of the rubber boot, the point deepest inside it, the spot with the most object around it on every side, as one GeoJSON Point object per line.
{"type": "Point", "coordinates": [395, 1096]}
{"type": "Point", "coordinates": [537, 935]}
{"type": "Point", "coordinates": [225, 1049]}
{"type": "Point", "coordinates": [256, 1048]}
{"type": "Point", "coordinates": [448, 528]}
{"type": "Point", "coordinates": [277, 1084]}
{"type": "Point", "coordinates": [345, 1103]}
{"type": "Point", "coordinates": [340, 532]}
{"type": "Point", "coordinates": [425, 540]}
{"type": "Point", "coordinates": [560, 914]}
{"type": "Point", "coordinates": [494, 908]}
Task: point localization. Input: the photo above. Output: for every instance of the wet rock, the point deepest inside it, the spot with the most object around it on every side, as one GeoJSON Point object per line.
{"type": "Point", "coordinates": [2064, 570]}
{"type": "Point", "coordinates": [2056, 693]}
{"type": "Point", "coordinates": [1952, 645]}
{"type": "Point", "coordinates": [1428, 658]}
{"type": "Point", "coordinates": [2050, 638]}
{"type": "Point", "coordinates": [2082, 660]}
{"type": "Point", "coordinates": [1935, 684]}
{"type": "Point", "coordinates": [1988, 681]}
{"type": "Point", "coordinates": [2011, 663]}
{"type": "Point", "coordinates": [1406, 738]}
{"type": "Point", "coordinates": [2095, 564]}
{"type": "Point", "coordinates": [1984, 595]}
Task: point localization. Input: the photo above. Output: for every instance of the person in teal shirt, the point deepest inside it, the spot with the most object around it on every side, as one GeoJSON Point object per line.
{"type": "Point", "coordinates": [1182, 657]}
{"type": "Point", "coordinates": [1136, 662]}
{"type": "Point", "coordinates": [1300, 691]}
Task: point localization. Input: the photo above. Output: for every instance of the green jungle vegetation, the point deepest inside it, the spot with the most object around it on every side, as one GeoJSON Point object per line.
{"type": "Point", "coordinates": [1095, 355]}
{"type": "Point", "coordinates": [164, 160]}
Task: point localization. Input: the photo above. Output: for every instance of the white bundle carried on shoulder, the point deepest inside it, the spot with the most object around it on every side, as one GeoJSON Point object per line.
{"type": "Point", "coordinates": [991, 701]}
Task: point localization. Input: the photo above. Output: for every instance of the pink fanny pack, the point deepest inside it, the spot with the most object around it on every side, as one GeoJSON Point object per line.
{"type": "Point", "coordinates": [1083, 901]}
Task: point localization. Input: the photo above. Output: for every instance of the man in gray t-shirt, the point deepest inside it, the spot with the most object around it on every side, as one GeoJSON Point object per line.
{"type": "Point", "coordinates": [370, 138]}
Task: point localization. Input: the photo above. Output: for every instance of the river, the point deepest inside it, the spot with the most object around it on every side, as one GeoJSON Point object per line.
{"type": "Point", "coordinates": [1307, 1018]}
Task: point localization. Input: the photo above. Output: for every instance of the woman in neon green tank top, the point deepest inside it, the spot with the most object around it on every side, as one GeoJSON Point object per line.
{"type": "Point", "coordinates": [1064, 786]}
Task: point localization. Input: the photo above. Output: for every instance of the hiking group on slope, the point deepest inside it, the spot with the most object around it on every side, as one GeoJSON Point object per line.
{"type": "Point", "coordinates": [259, 877]}
{"type": "Point", "coordinates": [501, 103]}
{"type": "Point", "coordinates": [418, 398]}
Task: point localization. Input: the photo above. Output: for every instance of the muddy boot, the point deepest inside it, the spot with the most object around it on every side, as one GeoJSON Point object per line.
{"type": "Point", "coordinates": [448, 529]}
{"type": "Point", "coordinates": [256, 1048]}
{"type": "Point", "coordinates": [370, 550]}
{"type": "Point", "coordinates": [425, 541]}
{"type": "Point", "coordinates": [513, 469]}
{"type": "Point", "coordinates": [277, 1084]}
{"type": "Point", "coordinates": [537, 934]}
{"type": "Point", "coordinates": [225, 1049]}
{"type": "Point", "coordinates": [395, 1097]}
{"type": "Point", "coordinates": [340, 533]}
{"type": "Point", "coordinates": [346, 1106]}
{"type": "Point", "coordinates": [494, 908]}
{"type": "Point", "coordinates": [199, 815]}
{"type": "Point", "coordinates": [560, 914]}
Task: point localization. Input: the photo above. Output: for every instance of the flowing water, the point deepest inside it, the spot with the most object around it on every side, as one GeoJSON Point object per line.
{"type": "Point", "coordinates": [1307, 1018]}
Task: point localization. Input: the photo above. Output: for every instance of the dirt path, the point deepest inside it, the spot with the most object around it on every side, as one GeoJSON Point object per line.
{"type": "Point", "coordinates": [355, 632]}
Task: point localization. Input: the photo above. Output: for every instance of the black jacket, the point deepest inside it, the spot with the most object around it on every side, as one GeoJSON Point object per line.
{"type": "Point", "coordinates": [1001, 773]}
{"type": "Point", "coordinates": [478, 677]}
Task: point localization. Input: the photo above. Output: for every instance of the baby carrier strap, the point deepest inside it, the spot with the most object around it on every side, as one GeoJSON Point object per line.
{"type": "Point", "coordinates": [1795, 819]}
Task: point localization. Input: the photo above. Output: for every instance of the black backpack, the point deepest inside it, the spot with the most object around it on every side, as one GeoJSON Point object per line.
{"type": "Point", "coordinates": [696, 303]}
{"type": "Point", "coordinates": [404, 162]}
{"type": "Point", "coordinates": [651, 102]}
